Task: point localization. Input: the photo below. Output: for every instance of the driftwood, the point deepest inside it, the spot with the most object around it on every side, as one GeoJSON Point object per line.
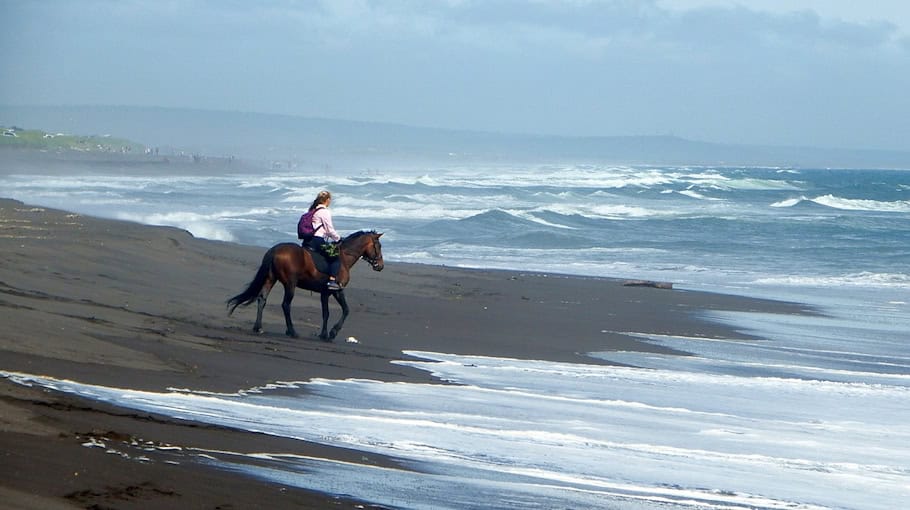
{"type": "Point", "coordinates": [647, 283]}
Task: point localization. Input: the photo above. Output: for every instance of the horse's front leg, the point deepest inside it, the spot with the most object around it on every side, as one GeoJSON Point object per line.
{"type": "Point", "coordinates": [339, 296]}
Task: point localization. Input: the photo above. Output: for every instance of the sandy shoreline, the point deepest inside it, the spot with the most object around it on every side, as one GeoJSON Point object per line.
{"type": "Point", "coordinates": [124, 305]}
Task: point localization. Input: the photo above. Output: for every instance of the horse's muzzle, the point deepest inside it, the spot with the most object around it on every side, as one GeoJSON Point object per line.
{"type": "Point", "coordinates": [376, 263]}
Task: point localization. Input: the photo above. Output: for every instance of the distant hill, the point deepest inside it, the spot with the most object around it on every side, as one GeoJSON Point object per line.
{"type": "Point", "coordinates": [265, 137]}
{"type": "Point", "coordinates": [19, 138]}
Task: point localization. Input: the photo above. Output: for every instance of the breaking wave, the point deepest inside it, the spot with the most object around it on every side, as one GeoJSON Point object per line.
{"type": "Point", "coordinates": [848, 204]}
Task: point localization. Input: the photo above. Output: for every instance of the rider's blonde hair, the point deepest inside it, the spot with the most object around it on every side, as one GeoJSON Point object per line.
{"type": "Point", "coordinates": [323, 197]}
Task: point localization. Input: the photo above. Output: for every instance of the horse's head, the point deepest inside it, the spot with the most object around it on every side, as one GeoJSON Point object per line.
{"type": "Point", "coordinates": [365, 245]}
{"type": "Point", "coordinates": [373, 251]}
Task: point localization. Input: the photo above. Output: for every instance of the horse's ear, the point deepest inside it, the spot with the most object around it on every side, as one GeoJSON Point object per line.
{"type": "Point", "coordinates": [379, 235]}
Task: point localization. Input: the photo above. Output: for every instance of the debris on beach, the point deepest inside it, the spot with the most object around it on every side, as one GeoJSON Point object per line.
{"type": "Point", "coordinates": [352, 340]}
{"type": "Point", "coordinates": [647, 283]}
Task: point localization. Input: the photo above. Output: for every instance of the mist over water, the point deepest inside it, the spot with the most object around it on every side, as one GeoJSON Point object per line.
{"type": "Point", "coordinates": [813, 415]}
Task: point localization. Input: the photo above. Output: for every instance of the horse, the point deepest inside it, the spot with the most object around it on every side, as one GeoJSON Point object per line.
{"type": "Point", "coordinates": [293, 266]}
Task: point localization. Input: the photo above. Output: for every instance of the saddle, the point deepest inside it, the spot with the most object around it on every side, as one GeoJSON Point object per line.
{"type": "Point", "coordinates": [319, 259]}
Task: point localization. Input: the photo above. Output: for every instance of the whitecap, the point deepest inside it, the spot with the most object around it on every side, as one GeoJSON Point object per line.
{"type": "Point", "coordinates": [695, 194]}
{"type": "Point", "coordinates": [790, 202]}
{"type": "Point", "coordinates": [862, 205]}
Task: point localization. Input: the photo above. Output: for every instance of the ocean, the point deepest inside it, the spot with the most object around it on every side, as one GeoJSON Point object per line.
{"type": "Point", "coordinates": [814, 415]}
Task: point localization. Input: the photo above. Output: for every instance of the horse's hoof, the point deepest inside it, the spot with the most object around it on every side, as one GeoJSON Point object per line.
{"type": "Point", "coordinates": [292, 334]}
{"type": "Point", "coordinates": [258, 331]}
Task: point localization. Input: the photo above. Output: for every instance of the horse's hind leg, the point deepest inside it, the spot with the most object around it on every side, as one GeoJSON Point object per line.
{"type": "Point", "coordinates": [260, 304]}
{"type": "Point", "coordinates": [339, 296]}
{"type": "Point", "coordinates": [286, 308]}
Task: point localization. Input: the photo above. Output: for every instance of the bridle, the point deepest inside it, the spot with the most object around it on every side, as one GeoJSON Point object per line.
{"type": "Point", "coordinates": [374, 261]}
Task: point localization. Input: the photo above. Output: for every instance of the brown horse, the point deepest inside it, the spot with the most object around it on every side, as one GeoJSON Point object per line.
{"type": "Point", "coordinates": [293, 266]}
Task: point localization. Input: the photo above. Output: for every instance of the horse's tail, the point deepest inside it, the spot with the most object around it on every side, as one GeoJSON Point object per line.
{"type": "Point", "coordinates": [252, 290]}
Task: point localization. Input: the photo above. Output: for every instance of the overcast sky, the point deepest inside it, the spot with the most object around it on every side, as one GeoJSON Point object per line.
{"type": "Point", "coordinates": [827, 73]}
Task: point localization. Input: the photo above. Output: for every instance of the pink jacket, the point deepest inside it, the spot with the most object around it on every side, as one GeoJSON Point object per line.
{"type": "Point", "coordinates": [323, 217]}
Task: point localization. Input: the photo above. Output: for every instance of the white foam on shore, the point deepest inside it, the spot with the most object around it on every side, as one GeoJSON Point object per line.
{"type": "Point", "coordinates": [577, 435]}
{"type": "Point", "coordinates": [863, 279]}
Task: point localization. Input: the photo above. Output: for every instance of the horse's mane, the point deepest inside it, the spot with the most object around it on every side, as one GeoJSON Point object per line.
{"type": "Point", "coordinates": [357, 234]}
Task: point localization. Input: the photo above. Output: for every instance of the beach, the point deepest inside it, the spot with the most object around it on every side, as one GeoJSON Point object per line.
{"type": "Point", "coordinates": [124, 305]}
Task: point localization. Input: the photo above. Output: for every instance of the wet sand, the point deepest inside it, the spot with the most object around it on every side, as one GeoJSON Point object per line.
{"type": "Point", "coordinates": [125, 305]}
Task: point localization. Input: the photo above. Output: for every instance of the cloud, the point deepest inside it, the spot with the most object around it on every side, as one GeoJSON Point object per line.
{"type": "Point", "coordinates": [697, 68]}
{"type": "Point", "coordinates": [574, 28]}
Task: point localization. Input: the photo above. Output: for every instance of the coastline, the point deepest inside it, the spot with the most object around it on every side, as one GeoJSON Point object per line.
{"type": "Point", "coordinates": [126, 305]}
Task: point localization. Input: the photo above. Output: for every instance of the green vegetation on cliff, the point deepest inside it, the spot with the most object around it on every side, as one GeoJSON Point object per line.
{"type": "Point", "coordinates": [35, 139]}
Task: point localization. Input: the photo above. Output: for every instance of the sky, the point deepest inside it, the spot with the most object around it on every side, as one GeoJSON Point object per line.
{"type": "Point", "coordinates": [820, 73]}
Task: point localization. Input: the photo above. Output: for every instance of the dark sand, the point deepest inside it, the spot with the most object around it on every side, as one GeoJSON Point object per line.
{"type": "Point", "coordinates": [125, 305]}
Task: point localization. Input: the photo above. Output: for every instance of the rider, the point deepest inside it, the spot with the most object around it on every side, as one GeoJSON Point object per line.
{"type": "Point", "coordinates": [325, 235]}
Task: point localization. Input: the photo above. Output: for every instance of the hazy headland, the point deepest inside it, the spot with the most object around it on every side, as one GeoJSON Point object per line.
{"type": "Point", "coordinates": [284, 140]}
